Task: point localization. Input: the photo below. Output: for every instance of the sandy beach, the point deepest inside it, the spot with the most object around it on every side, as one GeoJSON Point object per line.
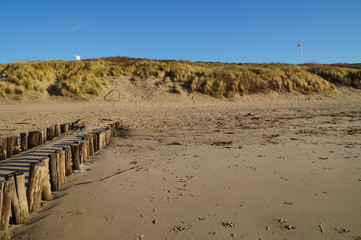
{"type": "Point", "coordinates": [211, 169]}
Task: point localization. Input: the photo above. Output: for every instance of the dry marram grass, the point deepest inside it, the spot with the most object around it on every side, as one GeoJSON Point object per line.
{"type": "Point", "coordinates": [83, 79]}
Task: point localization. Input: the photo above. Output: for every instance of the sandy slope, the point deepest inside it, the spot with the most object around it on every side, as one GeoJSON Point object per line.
{"type": "Point", "coordinates": [281, 169]}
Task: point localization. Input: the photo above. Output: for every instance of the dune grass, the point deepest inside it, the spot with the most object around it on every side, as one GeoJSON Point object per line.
{"type": "Point", "coordinates": [83, 79]}
{"type": "Point", "coordinates": [71, 78]}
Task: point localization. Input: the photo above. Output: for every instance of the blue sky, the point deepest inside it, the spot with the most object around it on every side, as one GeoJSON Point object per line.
{"type": "Point", "coordinates": [258, 31]}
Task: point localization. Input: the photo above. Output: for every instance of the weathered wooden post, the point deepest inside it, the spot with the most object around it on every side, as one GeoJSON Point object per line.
{"type": "Point", "coordinates": [96, 141]}
{"type": "Point", "coordinates": [50, 133]}
{"type": "Point", "coordinates": [47, 194]}
{"type": "Point", "coordinates": [3, 148]}
{"type": "Point", "coordinates": [35, 187]}
{"type": "Point", "coordinates": [110, 134]}
{"type": "Point", "coordinates": [16, 146]}
{"type": "Point", "coordinates": [43, 136]}
{"type": "Point", "coordinates": [84, 151]}
{"type": "Point", "coordinates": [34, 139]}
{"type": "Point", "coordinates": [68, 163]}
{"type": "Point", "coordinates": [57, 130]}
{"type": "Point", "coordinates": [13, 146]}
{"type": "Point", "coordinates": [105, 132]}
{"type": "Point", "coordinates": [61, 166]}
{"type": "Point", "coordinates": [24, 141]}
{"type": "Point", "coordinates": [81, 152]}
{"type": "Point", "coordinates": [75, 156]}
{"type": "Point", "coordinates": [87, 155]}
{"type": "Point", "coordinates": [64, 127]}
{"type": "Point", "coordinates": [116, 127]}
{"type": "Point", "coordinates": [90, 138]}
{"type": "Point", "coordinates": [101, 140]}
{"type": "Point", "coordinates": [107, 136]}
{"type": "Point", "coordinates": [54, 173]}
{"type": "Point", "coordinates": [6, 198]}
{"type": "Point", "coordinates": [2, 184]}
{"type": "Point", "coordinates": [19, 206]}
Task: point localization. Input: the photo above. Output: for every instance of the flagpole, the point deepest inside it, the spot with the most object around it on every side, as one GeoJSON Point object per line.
{"type": "Point", "coordinates": [300, 46]}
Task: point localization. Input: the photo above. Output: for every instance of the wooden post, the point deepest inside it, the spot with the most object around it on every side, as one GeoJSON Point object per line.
{"type": "Point", "coordinates": [39, 138]}
{"type": "Point", "coordinates": [85, 150]}
{"type": "Point", "coordinates": [57, 130]}
{"type": "Point", "coordinates": [108, 135]}
{"type": "Point", "coordinates": [43, 136]}
{"type": "Point", "coordinates": [64, 127]}
{"type": "Point", "coordinates": [47, 194]}
{"type": "Point", "coordinates": [3, 148]}
{"type": "Point", "coordinates": [68, 163]}
{"type": "Point", "coordinates": [35, 187]}
{"type": "Point", "coordinates": [24, 141]}
{"type": "Point", "coordinates": [81, 152]}
{"type": "Point", "coordinates": [13, 146]}
{"type": "Point", "coordinates": [101, 140]}
{"type": "Point", "coordinates": [50, 133]}
{"type": "Point", "coordinates": [112, 129]}
{"type": "Point", "coordinates": [75, 156]}
{"type": "Point", "coordinates": [54, 173]}
{"type": "Point", "coordinates": [96, 142]}
{"type": "Point", "coordinates": [35, 139]}
{"type": "Point", "coordinates": [116, 127]}
{"type": "Point", "coordinates": [2, 184]}
{"type": "Point", "coordinates": [90, 144]}
{"type": "Point", "coordinates": [61, 166]}
{"type": "Point", "coordinates": [105, 133]}
{"type": "Point", "coordinates": [6, 209]}
{"type": "Point", "coordinates": [19, 204]}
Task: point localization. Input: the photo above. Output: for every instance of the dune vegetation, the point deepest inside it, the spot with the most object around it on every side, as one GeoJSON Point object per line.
{"type": "Point", "coordinates": [87, 78]}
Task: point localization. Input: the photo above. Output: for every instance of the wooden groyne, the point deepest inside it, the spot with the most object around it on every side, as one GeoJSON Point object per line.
{"type": "Point", "coordinates": [12, 145]}
{"type": "Point", "coordinates": [18, 200]}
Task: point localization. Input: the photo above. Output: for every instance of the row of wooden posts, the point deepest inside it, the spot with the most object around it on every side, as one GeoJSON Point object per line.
{"type": "Point", "coordinates": [10, 146]}
{"type": "Point", "coordinates": [46, 176]}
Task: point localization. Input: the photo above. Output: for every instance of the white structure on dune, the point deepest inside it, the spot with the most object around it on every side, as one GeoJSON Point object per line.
{"type": "Point", "coordinates": [77, 58]}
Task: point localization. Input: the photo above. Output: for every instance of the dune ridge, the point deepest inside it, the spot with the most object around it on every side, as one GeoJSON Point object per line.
{"type": "Point", "coordinates": [89, 78]}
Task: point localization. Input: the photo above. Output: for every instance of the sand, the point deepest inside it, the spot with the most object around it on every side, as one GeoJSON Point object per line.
{"type": "Point", "coordinates": [211, 169]}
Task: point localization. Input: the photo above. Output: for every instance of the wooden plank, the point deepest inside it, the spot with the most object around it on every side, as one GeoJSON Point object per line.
{"type": "Point", "coordinates": [19, 204]}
